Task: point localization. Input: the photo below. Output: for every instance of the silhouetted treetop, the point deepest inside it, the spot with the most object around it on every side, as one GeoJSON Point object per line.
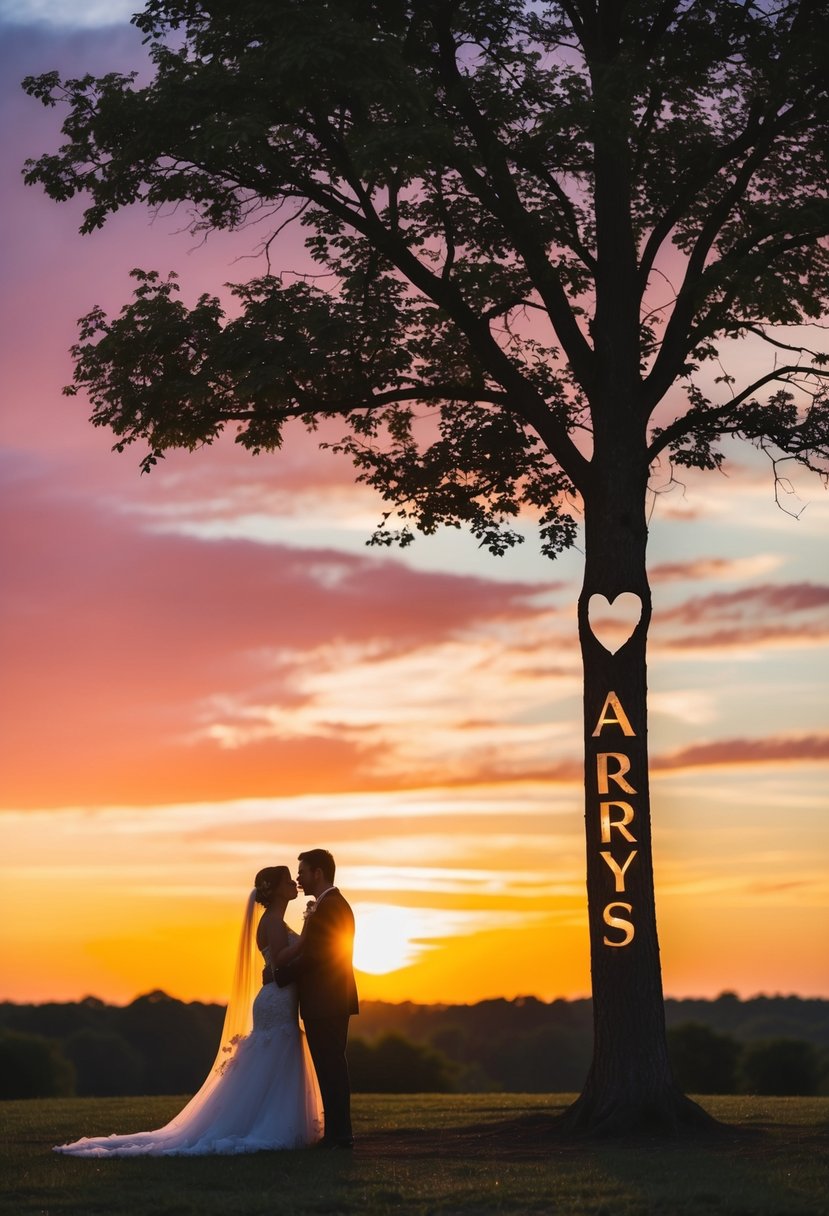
{"type": "Point", "coordinates": [527, 218]}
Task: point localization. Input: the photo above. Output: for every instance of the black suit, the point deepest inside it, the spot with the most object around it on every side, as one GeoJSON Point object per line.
{"type": "Point", "coordinates": [327, 998]}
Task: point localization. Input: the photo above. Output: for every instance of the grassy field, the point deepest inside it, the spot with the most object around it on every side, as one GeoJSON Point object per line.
{"type": "Point", "coordinates": [456, 1155]}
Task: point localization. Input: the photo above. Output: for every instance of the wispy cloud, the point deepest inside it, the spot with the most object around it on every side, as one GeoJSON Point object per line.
{"type": "Point", "coordinates": [743, 498]}
{"type": "Point", "coordinates": [67, 14]}
{"type": "Point", "coordinates": [731, 752]}
{"type": "Point", "coordinates": [771, 598]}
{"type": "Point", "coordinates": [116, 634]}
{"type": "Point", "coordinates": [720, 569]}
{"type": "Point", "coordinates": [751, 618]}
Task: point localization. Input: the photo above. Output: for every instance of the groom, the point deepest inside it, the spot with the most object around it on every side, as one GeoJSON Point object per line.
{"type": "Point", "coordinates": [327, 991]}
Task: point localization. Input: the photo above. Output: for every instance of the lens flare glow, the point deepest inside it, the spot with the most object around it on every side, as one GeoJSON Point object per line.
{"type": "Point", "coordinates": [387, 938]}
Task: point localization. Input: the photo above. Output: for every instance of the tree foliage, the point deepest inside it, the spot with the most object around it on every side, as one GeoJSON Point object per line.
{"type": "Point", "coordinates": [105, 1064]}
{"type": "Point", "coordinates": [780, 1066]}
{"type": "Point", "coordinates": [531, 222]}
{"type": "Point", "coordinates": [394, 1065]}
{"type": "Point", "coordinates": [704, 1062]}
{"type": "Point", "coordinates": [32, 1066]}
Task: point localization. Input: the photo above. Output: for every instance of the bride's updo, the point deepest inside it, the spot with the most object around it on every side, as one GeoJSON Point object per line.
{"type": "Point", "coordinates": [266, 882]}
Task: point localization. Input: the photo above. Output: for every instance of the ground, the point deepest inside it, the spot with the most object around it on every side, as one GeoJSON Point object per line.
{"type": "Point", "coordinates": [435, 1155]}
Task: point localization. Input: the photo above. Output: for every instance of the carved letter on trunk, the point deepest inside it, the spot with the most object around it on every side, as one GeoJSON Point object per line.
{"type": "Point", "coordinates": [604, 777]}
{"type": "Point", "coordinates": [621, 718]}
{"type": "Point", "coordinates": [619, 824]}
{"type": "Point", "coordinates": [618, 871]}
{"type": "Point", "coordinates": [614, 813]}
{"type": "Point", "coordinates": [617, 922]}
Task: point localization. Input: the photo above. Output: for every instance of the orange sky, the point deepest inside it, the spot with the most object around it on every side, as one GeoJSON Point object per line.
{"type": "Point", "coordinates": [205, 670]}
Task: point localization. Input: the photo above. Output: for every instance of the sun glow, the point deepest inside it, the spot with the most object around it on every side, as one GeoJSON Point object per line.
{"type": "Point", "coordinates": [386, 938]}
{"type": "Point", "coordinates": [152, 897]}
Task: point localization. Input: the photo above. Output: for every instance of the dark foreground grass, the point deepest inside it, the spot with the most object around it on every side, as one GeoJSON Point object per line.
{"type": "Point", "coordinates": [455, 1155]}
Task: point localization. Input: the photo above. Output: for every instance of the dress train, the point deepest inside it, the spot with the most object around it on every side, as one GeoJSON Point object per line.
{"type": "Point", "coordinates": [261, 1094]}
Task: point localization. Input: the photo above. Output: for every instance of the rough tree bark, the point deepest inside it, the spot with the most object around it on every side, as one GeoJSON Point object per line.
{"type": "Point", "coordinates": [630, 1085]}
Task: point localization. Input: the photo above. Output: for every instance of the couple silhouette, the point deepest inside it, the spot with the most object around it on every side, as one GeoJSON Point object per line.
{"type": "Point", "coordinates": [272, 1086]}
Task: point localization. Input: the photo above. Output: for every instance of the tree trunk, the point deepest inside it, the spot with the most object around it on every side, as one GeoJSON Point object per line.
{"type": "Point", "coordinates": [630, 1085]}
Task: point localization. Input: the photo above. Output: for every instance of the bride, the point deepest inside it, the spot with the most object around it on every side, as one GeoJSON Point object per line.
{"type": "Point", "coordinates": [261, 1092]}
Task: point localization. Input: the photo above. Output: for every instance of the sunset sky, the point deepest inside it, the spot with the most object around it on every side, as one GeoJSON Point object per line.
{"type": "Point", "coordinates": [205, 670]}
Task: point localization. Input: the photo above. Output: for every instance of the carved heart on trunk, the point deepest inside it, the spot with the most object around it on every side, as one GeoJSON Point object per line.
{"type": "Point", "coordinates": [613, 621]}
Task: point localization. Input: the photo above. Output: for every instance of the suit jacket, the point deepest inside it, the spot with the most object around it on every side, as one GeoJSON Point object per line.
{"type": "Point", "coordinates": [323, 971]}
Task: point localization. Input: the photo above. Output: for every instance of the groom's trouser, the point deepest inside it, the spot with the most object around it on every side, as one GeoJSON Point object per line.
{"type": "Point", "coordinates": [327, 1038]}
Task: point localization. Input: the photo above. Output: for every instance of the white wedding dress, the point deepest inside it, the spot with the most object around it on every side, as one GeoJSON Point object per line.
{"type": "Point", "coordinates": [261, 1094]}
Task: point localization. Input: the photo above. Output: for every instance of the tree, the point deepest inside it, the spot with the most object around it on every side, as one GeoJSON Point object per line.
{"type": "Point", "coordinates": [175, 1043]}
{"type": "Point", "coordinates": [536, 225]}
{"type": "Point", "coordinates": [703, 1061]}
{"type": "Point", "coordinates": [395, 1065]}
{"type": "Point", "coordinates": [32, 1066]}
{"type": "Point", "coordinates": [780, 1066]}
{"type": "Point", "coordinates": [105, 1064]}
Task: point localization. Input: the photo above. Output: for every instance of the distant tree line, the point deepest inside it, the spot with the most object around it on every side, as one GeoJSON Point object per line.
{"type": "Point", "coordinates": [159, 1045]}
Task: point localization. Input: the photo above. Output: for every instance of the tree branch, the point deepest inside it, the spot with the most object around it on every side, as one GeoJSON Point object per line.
{"type": "Point", "coordinates": [717, 317]}
{"type": "Point", "coordinates": [685, 425]}
{"type": "Point", "coordinates": [535, 166]}
{"type": "Point", "coordinates": [695, 182]}
{"type": "Point", "coordinates": [506, 204]}
{"type": "Point", "coordinates": [522, 395]}
{"type": "Point", "coordinates": [307, 404]}
{"type": "Point", "coordinates": [675, 341]}
{"type": "Point", "coordinates": [753, 328]}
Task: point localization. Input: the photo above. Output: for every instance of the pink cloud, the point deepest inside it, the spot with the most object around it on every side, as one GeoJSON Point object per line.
{"type": "Point", "coordinates": [752, 637]}
{"type": "Point", "coordinates": [768, 614]}
{"type": "Point", "coordinates": [707, 568]}
{"type": "Point", "coordinates": [770, 597]}
{"type": "Point", "coordinates": [728, 752]}
{"type": "Point", "coordinates": [51, 274]}
{"type": "Point", "coordinates": [722, 753]}
{"type": "Point", "coordinates": [114, 636]}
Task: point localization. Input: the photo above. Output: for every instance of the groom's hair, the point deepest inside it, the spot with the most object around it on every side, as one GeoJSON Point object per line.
{"type": "Point", "coordinates": [320, 859]}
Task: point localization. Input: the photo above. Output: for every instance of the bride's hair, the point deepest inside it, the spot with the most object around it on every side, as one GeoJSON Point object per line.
{"type": "Point", "coordinates": [267, 879]}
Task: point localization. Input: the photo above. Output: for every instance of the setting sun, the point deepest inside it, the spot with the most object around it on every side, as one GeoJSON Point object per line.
{"type": "Point", "coordinates": [386, 938]}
